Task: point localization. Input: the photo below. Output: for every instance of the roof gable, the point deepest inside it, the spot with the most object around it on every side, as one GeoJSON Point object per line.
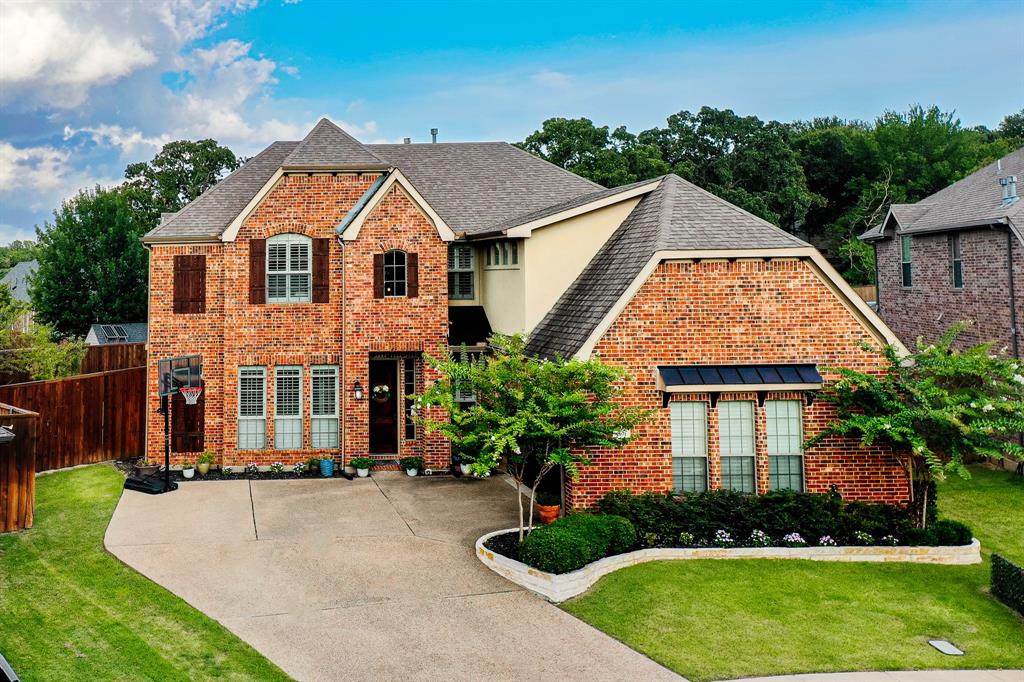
{"type": "Point", "coordinates": [329, 147]}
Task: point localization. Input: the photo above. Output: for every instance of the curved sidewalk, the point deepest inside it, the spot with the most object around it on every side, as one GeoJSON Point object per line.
{"type": "Point", "coordinates": [900, 676]}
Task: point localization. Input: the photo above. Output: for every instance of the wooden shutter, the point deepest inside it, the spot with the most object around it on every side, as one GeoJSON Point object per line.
{"type": "Point", "coordinates": [412, 287]}
{"type": "Point", "coordinates": [378, 275]}
{"type": "Point", "coordinates": [189, 284]}
{"type": "Point", "coordinates": [188, 423]}
{"type": "Point", "coordinates": [257, 271]}
{"type": "Point", "coordinates": [322, 270]}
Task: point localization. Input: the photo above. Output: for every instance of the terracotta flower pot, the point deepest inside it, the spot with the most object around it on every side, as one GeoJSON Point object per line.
{"type": "Point", "coordinates": [548, 514]}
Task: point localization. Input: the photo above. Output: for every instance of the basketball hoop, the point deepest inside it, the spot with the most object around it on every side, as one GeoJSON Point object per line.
{"type": "Point", "coordinates": [191, 394]}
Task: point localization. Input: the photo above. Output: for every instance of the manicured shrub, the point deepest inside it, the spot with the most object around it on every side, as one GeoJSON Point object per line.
{"type": "Point", "coordinates": [1008, 583]}
{"type": "Point", "coordinates": [575, 541]}
{"type": "Point", "coordinates": [948, 532]}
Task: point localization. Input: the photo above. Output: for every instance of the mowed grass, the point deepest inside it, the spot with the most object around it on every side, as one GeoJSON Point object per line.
{"type": "Point", "coordinates": [71, 611]}
{"type": "Point", "coordinates": [711, 620]}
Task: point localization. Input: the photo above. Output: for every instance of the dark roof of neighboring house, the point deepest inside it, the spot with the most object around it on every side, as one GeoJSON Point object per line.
{"type": "Point", "coordinates": [676, 216]}
{"type": "Point", "coordinates": [17, 277]}
{"type": "Point", "coordinates": [135, 332]}
{"type": "Point", "coordinates": [472, 185]}
{"type": "Point", "coordinates": [975, 200]}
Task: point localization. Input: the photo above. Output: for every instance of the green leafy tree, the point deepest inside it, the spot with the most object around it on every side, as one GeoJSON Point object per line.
{"type": "Point", "coordinates": [34, 353]}
{"type": "Point", "coordinates": [550, 413]}
{"type": "Point", "coordinates": [180, 172]}
{"type": "Point", "coordinates": [936, 407]}
{"type": "Point", "coordinates": [16, 252]}
{"type": "Point", "coordinates": [1012, 129]}
{"type": "Point", "coordinates": [92, 266]}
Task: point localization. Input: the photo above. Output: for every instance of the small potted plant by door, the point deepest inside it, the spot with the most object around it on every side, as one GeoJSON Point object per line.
{"type": "Point", "coordinates": [412, 465]}
{"type": "Point", "coordinates": [548, 506]}
{"type": "Point", "coordinates": [205, 460]}
{"type": "Point", "coordinates": [188, 469]}
{"type": "Point", "coordinates": [464, 462]}
{"type": "Point", "coordinates": [362, 465]}
{"type": "Point", "coordinates": [327, 467]}
{"type": "Point", "coordinates": [146, 467]}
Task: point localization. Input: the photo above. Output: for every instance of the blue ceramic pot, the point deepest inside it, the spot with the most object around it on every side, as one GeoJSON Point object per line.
{"type": "Point", "coordinates": [327, 468]}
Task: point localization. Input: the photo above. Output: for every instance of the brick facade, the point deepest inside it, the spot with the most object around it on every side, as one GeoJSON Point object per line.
{"type": "Point", "coordinates": [346, 331]}
{"type": "Point", "coordinates": [932, 304]}
{"type": "Point", "coordinates": [740, 312]}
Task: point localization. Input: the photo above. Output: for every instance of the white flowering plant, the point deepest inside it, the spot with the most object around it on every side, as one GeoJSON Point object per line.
{"type": "Point", "coordinates": [826, 541]}
{"type": "Point", "coordinates": [722, 538]}
{"type": "Point", "coordinates": [299, 468]}
{"type": "Point", "coordinates": [686, 539]}
{"type": "Point", "coordinates": [251, 468]}
{"type": "Point", "coordinates": [758, 538]}
{"type": "Point", "coordinates": [793, 540]}
{"type": "Point", "coordinates": [276, 468]}
{"type": "Point", "coordinates": [862, 538]}
{"type": "Point", "coordinates": [935, 406]}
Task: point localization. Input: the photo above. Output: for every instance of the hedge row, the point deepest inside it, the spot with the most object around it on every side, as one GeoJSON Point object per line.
{"type": "Point", "coordinates": [1008, 582]}
{"type": "Point", "coordinates": [701, 518]}
{"type": "Point", "coordinates": [575, 541]}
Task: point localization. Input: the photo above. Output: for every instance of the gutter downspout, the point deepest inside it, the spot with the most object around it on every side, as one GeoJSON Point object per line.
{"type": "Point", "coordinates": [878, 283]}
{"type": "Point", "coordinates": [1013, 293]}
{"type": "Point", "coordinates": [344, 355]}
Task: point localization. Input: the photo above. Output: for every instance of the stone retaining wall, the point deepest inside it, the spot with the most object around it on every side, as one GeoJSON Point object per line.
{"type": "Point", "coordinates": [558, 588]}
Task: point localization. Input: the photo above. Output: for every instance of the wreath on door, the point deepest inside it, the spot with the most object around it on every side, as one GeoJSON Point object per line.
{"type": "Point", "coordinates": [381, 393]}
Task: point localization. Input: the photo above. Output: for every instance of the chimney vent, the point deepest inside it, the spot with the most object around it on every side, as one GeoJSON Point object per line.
{"type": "Point", "coordinates": [433, 135]}
{"type": "Point", "coordinates": [1009, 184]}
{"type": "Point", "coordinates": [406, 140]}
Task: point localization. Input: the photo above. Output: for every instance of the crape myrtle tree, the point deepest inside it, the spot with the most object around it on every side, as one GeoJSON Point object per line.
{"type": "Point", "coordinates": [528, 412]}
{"type": "Point", "coordinates": [937, 406]}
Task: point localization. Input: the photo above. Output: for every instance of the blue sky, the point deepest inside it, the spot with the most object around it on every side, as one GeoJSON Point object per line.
{"type": "Point", "coordinates": [87, 88]}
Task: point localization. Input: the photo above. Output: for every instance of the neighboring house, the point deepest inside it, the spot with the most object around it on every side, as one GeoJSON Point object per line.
{"type": "Point", "coordinates": [956, 256]}
{"type": "Point", "coordinates": [17, 280]}
{"type": "Point", "coordinates": [125, 332]}
{"type": "Point", "coordinates": [312, 280]}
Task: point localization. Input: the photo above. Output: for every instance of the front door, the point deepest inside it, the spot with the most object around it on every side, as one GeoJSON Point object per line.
{"type": "Point", "coordinates": [383, 407]}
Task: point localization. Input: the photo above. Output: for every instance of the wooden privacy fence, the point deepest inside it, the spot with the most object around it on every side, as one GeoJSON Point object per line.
{"type": "Point", "coordinates": [868, 293]}
{"type": "Point", "coordinates": [17, 468]}
{"type": "Point", "coordinates": [110, 356]}
{"type": "Point", "coordinates": [87, 418]}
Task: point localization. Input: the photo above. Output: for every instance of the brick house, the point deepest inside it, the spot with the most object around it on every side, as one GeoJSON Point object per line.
{"type": "Point", "coordinates": [313, 279]}
{"type": "Point", "coordinates": [956, 256]}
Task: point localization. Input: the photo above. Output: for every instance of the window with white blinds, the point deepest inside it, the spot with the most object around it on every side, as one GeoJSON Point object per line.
{"type": "Point", "coordinates": [325, 407]}
{"type": "Point", "coordinates": [252, 408]}
{"type": "Point", "coordinates": [288, 408]}
{"type": "Point", "coordinates": [289, 268]}
{"type": "Point", "coordinates": [736, 444]}
{"type": "Point", "coordinates": [461, 273]}
{"type": "Point", "coordinates": [785, 444]}
{"type": "Point", "coordinates": [689, 446]}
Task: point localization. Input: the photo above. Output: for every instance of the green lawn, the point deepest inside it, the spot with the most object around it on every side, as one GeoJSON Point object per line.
{"type": "Point", "coordinates": [70, 611]}
{"type": "Point", "coordinates": [724, 619]}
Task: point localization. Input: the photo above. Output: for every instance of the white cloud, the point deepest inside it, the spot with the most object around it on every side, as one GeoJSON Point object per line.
{"type": "Point", "coordinates": [550, 79]}
{"type": "Point", "coordinates": [128, 140]}
{"type": "Point", "coordinates": [43, 175]}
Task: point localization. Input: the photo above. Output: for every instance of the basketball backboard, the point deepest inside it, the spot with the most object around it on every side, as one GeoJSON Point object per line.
{"type": "Point", "coordinates": [176, 373]}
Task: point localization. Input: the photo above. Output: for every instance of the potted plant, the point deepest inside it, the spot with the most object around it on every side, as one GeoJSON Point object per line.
{"type": "Point", "coordinates": [327, 467]}
{"type": "Point", "coordinates": [412, 465]}
{"type": "Point", "coordinates": [362, 465]}
{"type": "Point", "coordinates": [313, 466]}
{"type": "Point", "coordinates": [548, 506]}
{"type": "Point", "coordinates": [205, 460]}
{"type": "Point", "coordinates": [146, 467]}
{"type": "Point", "coordinates": [188, 469]}
{"type": "Point", "coordinates": [464, 461]}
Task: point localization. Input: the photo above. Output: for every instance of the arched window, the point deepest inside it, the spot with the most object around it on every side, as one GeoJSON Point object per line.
{"type": "Point", "coordinates": [396, 273]}
{"type": "Point", "coordinates": [289, 268]}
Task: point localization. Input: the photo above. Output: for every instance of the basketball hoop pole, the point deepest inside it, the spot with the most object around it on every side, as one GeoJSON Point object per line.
{"type": "Point", "coordinates": [165, 408]}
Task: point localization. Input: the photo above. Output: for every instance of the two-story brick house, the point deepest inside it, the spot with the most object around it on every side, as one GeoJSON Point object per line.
{"type": "Point", "coordinates": [313, 279]}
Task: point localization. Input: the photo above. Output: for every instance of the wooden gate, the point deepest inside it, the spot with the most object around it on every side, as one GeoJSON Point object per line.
{"type": "Point", "coordinates": [17, 468]}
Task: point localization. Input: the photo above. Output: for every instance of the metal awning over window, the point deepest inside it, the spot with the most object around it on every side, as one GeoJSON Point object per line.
{"type": "Point", "coordinates": [737, 378]}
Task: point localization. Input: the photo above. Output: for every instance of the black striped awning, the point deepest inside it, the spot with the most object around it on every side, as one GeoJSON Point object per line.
{"type": "Point", "coordinates": [721, 378]}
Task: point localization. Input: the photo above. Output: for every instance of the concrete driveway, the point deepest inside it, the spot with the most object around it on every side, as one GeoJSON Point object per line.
{"type": "Point", "coordinates": [372, 579]}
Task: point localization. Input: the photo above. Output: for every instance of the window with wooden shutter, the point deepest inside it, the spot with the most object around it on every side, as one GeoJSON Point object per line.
{"type": "Point", "coordinates": [322, 270]}
{"type": "Point", "coordinates": [257, 271]}
{"type": "Point", "coordinates": [189, 284]}
{"type": "Point", "coordinates": [378, 275]}
{"type": "Point", "coordinates": [188, 422]}
{"type": "Point", "coordinates": [412, 275]}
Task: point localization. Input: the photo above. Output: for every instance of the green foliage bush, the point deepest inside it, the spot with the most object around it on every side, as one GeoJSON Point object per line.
{"type": "Point", "coordinates": [575, 541]}
{"type": "Point", "coordinates": [777, 513]}
{"type": "Point", "coordinates": [1008, 582]}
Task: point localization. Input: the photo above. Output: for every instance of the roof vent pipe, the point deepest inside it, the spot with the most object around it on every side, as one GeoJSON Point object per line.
{"type": "Point", "coordinates": [406, 140]}
{"type": "Point", "coordinates": [1009, 184]}
{"type": "Point", "coordinates": [433, 135]}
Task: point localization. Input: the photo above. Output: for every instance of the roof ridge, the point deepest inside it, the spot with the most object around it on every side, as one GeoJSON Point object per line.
{"type": "Point", "coordinates": [555, 165]}
{"type": "Point", "coordinates": [322, 127]}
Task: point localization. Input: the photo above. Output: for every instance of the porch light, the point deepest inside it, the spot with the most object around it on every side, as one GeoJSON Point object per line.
{"type": "Point", "coordinates": [357, 391]}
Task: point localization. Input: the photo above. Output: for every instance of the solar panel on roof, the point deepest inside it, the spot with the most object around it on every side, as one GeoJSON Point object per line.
{"type": "Point", "coordinates": [120, 332]}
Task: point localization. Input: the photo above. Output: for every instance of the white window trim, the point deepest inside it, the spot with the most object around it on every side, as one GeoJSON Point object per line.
{"type": "Point", "coordinates": [471, 269]}
{"type": "Point", "coordinates": [262, 417]}
{"type": "Point", "coordinates": [800, 440]}
{"type": "Point", "coordinates": [288, 239]}
{"type": "Point", "coordinates": [505, 247]}
{"type": "Point", "coordinates": [279, 372]}
{"type": "Point", "coordinates": [335, 416]}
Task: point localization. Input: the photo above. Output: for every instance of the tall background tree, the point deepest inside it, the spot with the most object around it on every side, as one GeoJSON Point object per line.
{"type": "Point", "coordinates": [181, 172]}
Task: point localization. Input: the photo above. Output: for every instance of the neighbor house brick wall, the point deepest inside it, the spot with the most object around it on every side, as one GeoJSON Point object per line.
{"type": "Point", "coordinates": [931, 305]}
{"type": "Point", "coordinates": [234, 332]}
{"type": "Point", "coordinates": [741, 312]}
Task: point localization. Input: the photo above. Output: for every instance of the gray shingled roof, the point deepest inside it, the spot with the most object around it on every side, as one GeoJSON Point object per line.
{"type": "Point", "coordinates": [975, 200]}
{"type": "Point", "coordinates": [476, 185]}
{"type": "Point", "coordinates": [328, 146]}
{"type": "Point", "coordinates": [210, 214]}
{"type": "Point", "coordinates": [676, 216]}
{"type": "Point", "coordinates": [16, 279]}
{"type": "Point", "coordinates": [136, 332]}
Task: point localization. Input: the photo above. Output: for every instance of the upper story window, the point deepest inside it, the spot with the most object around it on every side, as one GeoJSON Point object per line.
{"type": "Point", "coordinates": [907, 270]}
{"type": "Point", "coordinates": [958, 261]}
{"type": "Point", "coordinates": [503, 254]}
{"type": "Point", "coordinates": [461, 273]}
{"type": "Point", "coordinates": [395, 273]}
{"type": "Point", "coordinates": [289, 268]}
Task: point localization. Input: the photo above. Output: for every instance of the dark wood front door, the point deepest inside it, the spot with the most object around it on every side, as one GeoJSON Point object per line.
{"type": "Point", "coordinates": [383, 407]}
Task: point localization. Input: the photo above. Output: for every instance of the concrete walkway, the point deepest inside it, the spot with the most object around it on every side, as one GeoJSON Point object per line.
{"type": "Point", "coordinates": [366, 579]}
{"type": "Point", "coordinates": [901, 676]}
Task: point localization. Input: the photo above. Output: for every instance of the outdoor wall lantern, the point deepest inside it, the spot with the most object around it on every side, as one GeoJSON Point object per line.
{"type": "Point", "coordinates": [357, 390]}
